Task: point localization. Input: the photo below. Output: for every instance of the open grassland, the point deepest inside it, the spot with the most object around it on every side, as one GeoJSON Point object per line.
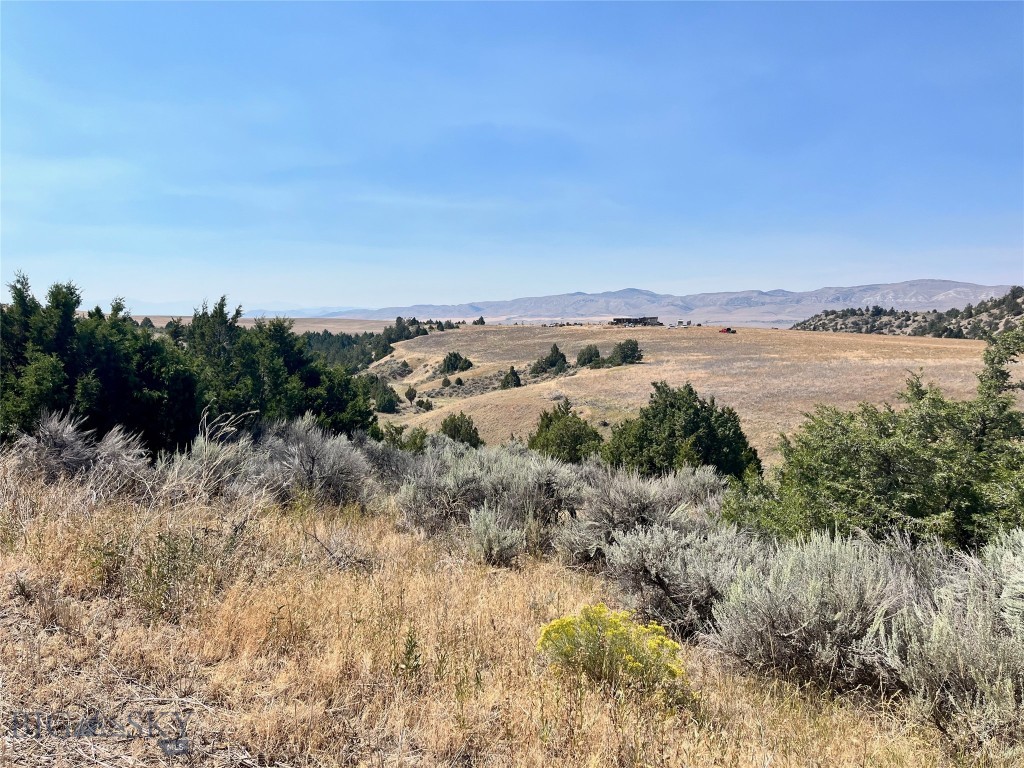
{"type": "Point", "coordinates": [396, 650]}
{"type": "Point", "coordinates": [771, 377]}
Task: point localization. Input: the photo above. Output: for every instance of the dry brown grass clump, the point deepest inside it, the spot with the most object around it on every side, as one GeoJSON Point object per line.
{"type": "Point", "coordinates": [302, 634]}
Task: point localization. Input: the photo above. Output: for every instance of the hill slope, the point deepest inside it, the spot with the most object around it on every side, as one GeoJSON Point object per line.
{"type": "Point", "coordinates": [994, 316]}
{"type": "Point", "coordinates": [771, 378]}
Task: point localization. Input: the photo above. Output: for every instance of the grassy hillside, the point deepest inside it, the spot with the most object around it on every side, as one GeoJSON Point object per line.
{"type": "Point", "coordinates": [770, 377]}
{"type": "Point", "coordinates": [991, 317]}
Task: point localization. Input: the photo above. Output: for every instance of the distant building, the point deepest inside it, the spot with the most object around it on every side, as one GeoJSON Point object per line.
{"type": "Point", "coordinates": [631, 322]}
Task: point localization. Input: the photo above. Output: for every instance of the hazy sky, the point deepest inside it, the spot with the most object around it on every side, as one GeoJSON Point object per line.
{"type": "Point", "coordinates": [367, 155]}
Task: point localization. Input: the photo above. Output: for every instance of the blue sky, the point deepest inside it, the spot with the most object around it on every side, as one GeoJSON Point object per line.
{"type": "Point", "coordinates": [371, 155]}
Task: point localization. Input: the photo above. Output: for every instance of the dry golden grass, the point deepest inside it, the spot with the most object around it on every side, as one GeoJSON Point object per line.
{"type": "Point", "coordinates": [771, 377]}
{"type": "Point", "coordinates": [418, 656]}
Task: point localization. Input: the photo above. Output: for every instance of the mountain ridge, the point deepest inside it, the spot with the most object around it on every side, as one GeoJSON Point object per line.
{"type": "Point", "coordinates": [750, 307]}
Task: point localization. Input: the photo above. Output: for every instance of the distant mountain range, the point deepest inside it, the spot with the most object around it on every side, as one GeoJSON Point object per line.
{"type": "Point", "coordinates": [751, 308]}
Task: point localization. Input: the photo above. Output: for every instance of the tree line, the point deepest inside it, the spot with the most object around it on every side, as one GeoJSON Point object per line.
{"type": "Point", "coordinates": [110, 371]}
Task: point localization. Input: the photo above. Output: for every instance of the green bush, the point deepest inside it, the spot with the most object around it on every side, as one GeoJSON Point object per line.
{"type": "Point", "coordinates": [563, 435]}
{"type": "Point", "coordinates": [112, 372]}
{"type": "Point", "coordinates": [460, 427]}
{"type": "Point", "coordinates": [589, 355]}
{"type": "Point", "coordinates": [679, 429]}
{"type": "Point", "coordinates": [455, 363]}
{"type": "Point", "coordinates": [554, 362]}
{"type": "Point", "coordinates": [511, 379]}
{"type": "Point", "coordinates": [376, 390]}
{"type": "Point", "coordinates": [625, 353]}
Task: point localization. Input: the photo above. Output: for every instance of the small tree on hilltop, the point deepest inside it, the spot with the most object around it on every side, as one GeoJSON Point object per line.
{"type": "Point", "coordinates": [479, 321]}
{"type": "Point", "coordinates": [553, 361]}
{"type": "Point", "coordinates": [589, 355]}
{"type": "Point", "coordinates": [461, 428]}
{"type": "Point", "coordinates": [625, 353]}
{"type": "Point", "coordinates": [511, 379]}
{"type": "Point", "coordinates": [454, 363]}
{"type": "Point", "coordinates": [679, 429]}
{"type": "Point", "coordinates": [562, 434]}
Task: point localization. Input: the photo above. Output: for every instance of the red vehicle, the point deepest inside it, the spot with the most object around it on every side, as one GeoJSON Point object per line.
{"type": "Point", "coordinates": [727, 330]}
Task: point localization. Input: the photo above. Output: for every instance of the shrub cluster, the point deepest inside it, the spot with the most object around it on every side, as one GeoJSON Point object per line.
{"type": "Point", "coordinates": [563, 435]}
{"type": "Point", "coordinates": [521, 490]}
{"type": "Point", "coordinates": [357, 351]}
{"type": "Point", "coordinates": [626, 352]}
{"type": "Point", "coordinates": [453, 362]}
{"type": "Point", "coordinates": [377, 392]}
{"type": "Point", "coordinates": [460, 428]}
{"type": "Point", "coordinates": [511, 380]}
{"type": "Point", "coordinates": [677, 429]}
{"type": "Point", "coordinates": [941, 628]}
{"type": "Point", "coordinates": [553, 362]}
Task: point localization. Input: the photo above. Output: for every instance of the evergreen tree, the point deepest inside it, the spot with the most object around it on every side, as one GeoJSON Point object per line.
{"type": "Point", "coordinates": [562, 434]}
{"type": "Point", "coordinates": [511, 379]}
{"type": "Point", "coordinates": [453, 362]}
{"type": "Point", "coordinates": [625, 353]}
{"type": "Point", "coordinates": [461, 428]}
{"type": "Point", "coordinates": [678, 429]}
{"type": "Point", "coordinates": [554, 361]}
{"type": "Point", "coordinates": [589, 355]}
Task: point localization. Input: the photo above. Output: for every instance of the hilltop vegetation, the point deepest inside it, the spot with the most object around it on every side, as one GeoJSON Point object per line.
{"type": "Point", "coordinates": [358, 351]}
{"type": "Point", "coordinates": [980, 321]}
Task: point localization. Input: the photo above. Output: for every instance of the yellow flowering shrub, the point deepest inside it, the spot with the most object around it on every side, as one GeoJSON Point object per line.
{"type": "Point", "coordinates": [610, 648]}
